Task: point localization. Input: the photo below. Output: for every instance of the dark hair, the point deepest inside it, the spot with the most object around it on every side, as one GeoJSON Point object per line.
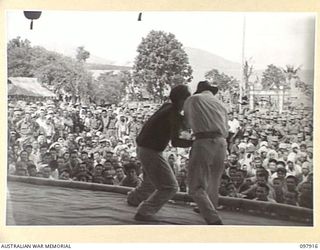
{"type": "Point", "coordinates": [225, 177]}
{"type": "Point", "coordinates": [282, 163]}
{"type": "Point", "coordinates": [283, 170]}
{"type": "Point", "coordinates": [263, 185]}
{"type": "Point", "coordinates": [23, 151]}
{"type": "Point", "coordinates": [31, 166]}
{"type": "Point", "coordinates": [273, 160]}
{"type": "Point", "coordinates": [129, 166]}
{"type": "Point", "coordinates": [179, 92]}
{"type": "Point", "coordinates": [47, 154]}
{"type": "Point", "coordinates": [292, 177]}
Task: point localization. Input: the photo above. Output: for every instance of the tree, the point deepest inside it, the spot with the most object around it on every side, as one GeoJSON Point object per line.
{"type": "Point", "coordinates": [53, 69]}
{"type": "Point", "coordinates": [272, 76]}
{"type": "Point", "coordinates": [161, 62]}
{"type": "Point", "coordinates": [223, 81]}
{"type": "Point", "coordinates": [108, 87]}
{"type": "Point", "coordinates": [82, 54]}
{"type": "Point", "coordinates": [19, 58]}
{"type": "Point", "coordinates": [290, 73]}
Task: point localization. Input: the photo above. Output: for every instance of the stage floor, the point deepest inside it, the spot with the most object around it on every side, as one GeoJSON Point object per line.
{"type": "Point", "coordinates": [29, 204]}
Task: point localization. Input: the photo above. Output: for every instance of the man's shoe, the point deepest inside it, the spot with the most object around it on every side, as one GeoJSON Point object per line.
{"type": "Point", "coordinates": [132, 204]}
{"type": "Point", "coordinates": [140, 217]}
{"type": "Point", "coordinates": [196, 209]}
{"type": "Point", "coordinates": [218, 222]}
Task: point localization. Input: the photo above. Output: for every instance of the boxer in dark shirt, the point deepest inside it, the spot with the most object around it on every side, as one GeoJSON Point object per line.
{"type": "Point", "coordinates": [159, 182]}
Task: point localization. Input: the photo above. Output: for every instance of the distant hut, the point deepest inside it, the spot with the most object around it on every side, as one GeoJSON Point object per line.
{"type": "Point", "coordinates": [27, 88]}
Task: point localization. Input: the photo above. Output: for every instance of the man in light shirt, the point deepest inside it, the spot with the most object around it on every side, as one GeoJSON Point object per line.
{"type": "Point", "coordinates": [208, 118]}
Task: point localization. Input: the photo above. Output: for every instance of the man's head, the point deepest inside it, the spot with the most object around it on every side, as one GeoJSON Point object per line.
{"type": "Point", "coordinates": [290, 197]}
{"type": "Point", "coordinates": [277, 183]}
{"type": "Point", "coordinates": [179, 94]}
{"type": "Point", "coordinates": [32, 170]}
{"type": "Point", "coordinates": [262, 192]}
{"type": "Point", "coordinates": [119, 172]}
{"type": "Point", "coordinates": [24, 155]}
{"type": "Point", "coordinates": [131, 170]}
{"type": "Point", "coordinates": [291, 182]}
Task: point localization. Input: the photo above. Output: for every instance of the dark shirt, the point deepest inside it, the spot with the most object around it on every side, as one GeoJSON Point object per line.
{"type": "Point", "coordinates": [163, 126]}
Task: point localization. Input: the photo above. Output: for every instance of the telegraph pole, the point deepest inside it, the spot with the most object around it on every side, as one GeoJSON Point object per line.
{"type": "Point", "coordinates": [241, 83]}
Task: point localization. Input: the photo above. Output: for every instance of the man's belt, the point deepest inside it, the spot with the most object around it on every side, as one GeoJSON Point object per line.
{"type": "Point", "coordinates": [207, 135]}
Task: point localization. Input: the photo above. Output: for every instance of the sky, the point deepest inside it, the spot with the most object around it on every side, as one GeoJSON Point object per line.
{"type": "Point", "coordinates": [277, 38]}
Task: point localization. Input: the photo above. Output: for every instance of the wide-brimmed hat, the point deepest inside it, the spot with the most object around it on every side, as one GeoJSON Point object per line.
{"type": "Point", "coordinates": [206, 85]}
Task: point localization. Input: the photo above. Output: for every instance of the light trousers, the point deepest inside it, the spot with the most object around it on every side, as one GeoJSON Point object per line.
{"type": "Point", "coordinates": [206, 166]}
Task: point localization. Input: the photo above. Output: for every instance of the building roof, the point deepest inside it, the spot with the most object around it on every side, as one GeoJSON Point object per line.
{"type": "Point", "coordinates": [27, 86]}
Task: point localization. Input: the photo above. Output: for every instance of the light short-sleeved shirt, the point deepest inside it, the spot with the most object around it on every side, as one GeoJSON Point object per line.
{"type": "Point", "coordinates": [205, 113]}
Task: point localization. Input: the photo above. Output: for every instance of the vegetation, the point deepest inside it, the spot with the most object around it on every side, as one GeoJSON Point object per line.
{"type": "Point", "coordinates": [161, 64]}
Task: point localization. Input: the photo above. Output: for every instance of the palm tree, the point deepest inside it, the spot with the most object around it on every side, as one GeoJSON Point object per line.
{"type": "Point", "coordinates": [291, 74]}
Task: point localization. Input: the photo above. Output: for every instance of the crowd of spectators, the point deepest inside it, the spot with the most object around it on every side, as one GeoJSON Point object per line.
{"type": "Point", "coordinates": [269, 154]}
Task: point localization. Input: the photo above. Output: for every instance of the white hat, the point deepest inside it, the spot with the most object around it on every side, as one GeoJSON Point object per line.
{"type": "Point", "coordinates": [294, 145]}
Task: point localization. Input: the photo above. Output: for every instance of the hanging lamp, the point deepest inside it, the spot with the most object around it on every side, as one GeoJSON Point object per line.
{"type": "Point", "coordinates": [32, 15]}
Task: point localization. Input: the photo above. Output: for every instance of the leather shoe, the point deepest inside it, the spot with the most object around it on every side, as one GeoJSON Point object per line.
{"type": "Point", "coordinates": [140, 217]}
{"type": "Point", "coordinates": [196, 209]}
{"type": "Point", "coordinates": [218, 222]}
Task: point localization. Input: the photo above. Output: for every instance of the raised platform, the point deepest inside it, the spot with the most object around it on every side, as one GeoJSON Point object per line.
{"type": "Point", "coordinates": [37, 201]}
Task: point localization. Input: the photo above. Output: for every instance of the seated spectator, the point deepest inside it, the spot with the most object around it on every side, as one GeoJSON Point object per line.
{"type": "Point", "coordinates": [291, 183]}
{"type": "Point", "coordinates": [173, 164]}
{"type": "Point", "coordinates": [261, 178]}
{"type": "Point", "coordinates": [65, 175]}
{"type": "Point", "coordinates": [97, 176]}
{"type": "Point", "coordinates": [182, 180]}
{"type": "Point", "coordinates": [225, 179]}
{"type": "Point", "coordinates": [24, 162]}
{"type": "Point", "coordinates": [132, 179]}
{"type": "Point", "coordinates": [305, 170]}
{"type": "Point", "coordinates": [46, 172]}
{"type": "Point", "coordinates": [32, 170]}
{"type": "Point", "coordinates": [21, 172]}
{"type": "Point", "coordinates": [305, 197]}
{"type": "Point", "coordinates": [278, 185]}
{"type": "Point", "coordinates": [108, 175]}
{"type": "Point", "coordinates": [262, 193]}
{"type": "Point", "coordinates": [46, 158]}
{"type": "Point", "coordinates": [280, 173]}
{"type": "Point", "coordinates": [293, 169]}
{"type": "Point", "coordinates": [120, 176]}
{"type": "Point", "coordinates": [81, 170]}
{"type": "Point", "coordinates": [291, 198]}
{"type": "Point", "coordinates": [232, 190]}
{"type": "Point", "coordinates": [73, 163]}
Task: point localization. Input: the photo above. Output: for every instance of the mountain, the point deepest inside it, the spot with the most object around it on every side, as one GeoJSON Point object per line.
{"type": "Point", "coordinates": [202, 61]}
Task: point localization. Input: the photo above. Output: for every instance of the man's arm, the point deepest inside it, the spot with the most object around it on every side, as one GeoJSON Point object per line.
{"type": "Point", "coordinates": [176, 125]}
